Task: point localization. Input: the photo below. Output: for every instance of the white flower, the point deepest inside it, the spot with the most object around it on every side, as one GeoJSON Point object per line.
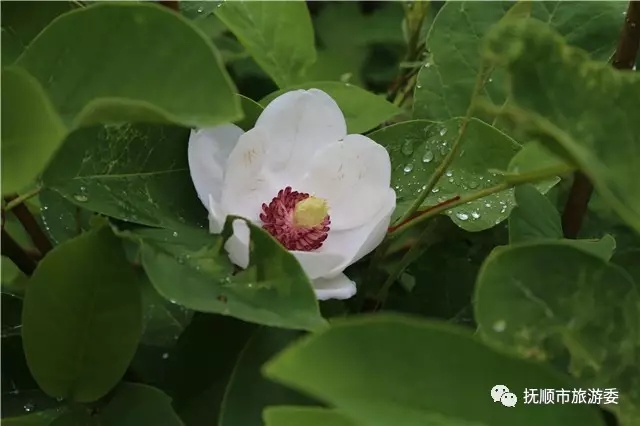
{"type": "Point", "coordinates": [323, 194]}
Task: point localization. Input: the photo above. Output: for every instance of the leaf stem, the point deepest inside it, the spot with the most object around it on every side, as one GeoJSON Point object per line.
{"type": "Point", "coordinates": [446, 162]}
{"type": "Point", "coordinates": [20, 199]}
{"type": "Point", "coordinates": [511, 181]}
{"type": "Point", "coordinates": [624, 57]}
{"type": "Point", "coordinates": [29, 223]}
{"type": "Point", "coordinates": [17, 254]}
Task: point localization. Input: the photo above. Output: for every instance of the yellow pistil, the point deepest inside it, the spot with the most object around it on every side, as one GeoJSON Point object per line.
{"type": "Point", "coordinates": [310, 212]}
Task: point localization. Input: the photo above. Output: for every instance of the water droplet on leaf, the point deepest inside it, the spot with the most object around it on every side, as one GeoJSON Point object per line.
{"type": "Point", "coordinates": [165, 355]}
{"type": "Point", "coordinates": [80, 198]}
{"type": "Point", "coordinates": [473, 184]}
{"type": "Point", "coordinates": [408, 168]}
{"type": "Point", "coordinates": [499, 326]}
{"type": "Point", "coordinates": [434, 190]}
{"type": "Point", "coordinates": [449, 173]}
{"type": "Point", "coordinates": [175, 234]}
{"type": "Point", "coordinates": [475, 215]}
{"type": "Point", "coordinates": [443, 131]}
{"type": "Point", "coordinates": [427, 157]}
{"type": "Point", "coordinates": [407, 148]}
{"type": "Point", "coordinates": [29, 406]}
{"type": "Point", "coordinates": [462, 216]}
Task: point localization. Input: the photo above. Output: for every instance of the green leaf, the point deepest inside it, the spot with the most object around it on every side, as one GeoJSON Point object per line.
{"type": "Point", "coordinates": [560, 95]}
{"type": "Point", "coordinates": [247, 392]}
{"type": "Point", "coordinates": [22, 21]}
{"type": "Point", "coordinates": [628, 259]}
{"type": "Point", "coordinates": [362, 110]}
{"type": "Point", "coordinates": [534, 217]}
{"type": "Point", "coordinates": [163, 321]}
{"type": "Point", "coordinates": [32, 131]}
{"type": "Point", "coordinates": [577, 311]}
{"type": "Point", "coordinates": [135, 404]}
{"type": "Point", "coordinates": [296, 416]}
{"type": "Point", "coordinates": [137, 173]}
{"type": "Point", "coordinates": [191, 268]}
{"type": "Point", "coordinates": [62, 219]}
{"type": "Point", "coordinates": [82, 317]}
{"type": "Point", "coordinates": [417, 147]}
{"type": "Point", "coordinates": [79, 416]}
{"type": "Point", "coordinates": [278, 35]}
{"type": "Point", "coordinates": [41, 418]}
{"type": "Point", "coordinates": [418, 366]}
{"type": "Point", "coordinates": [97, 66]}
{"type": "Point", "coordinates": [252, 111]}
{"type": "Point", "coordinates": [445, 86]}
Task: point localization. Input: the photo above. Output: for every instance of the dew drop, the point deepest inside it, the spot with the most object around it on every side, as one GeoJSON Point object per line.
{"type": "Point", "coordinates": [443, 131]}
{"type": "Point", "coordinates": [451, 180]}
{"type": "Point", "coordinates": [81, 198]}
{"type": "Point", "coordinates": [200, 10]}
{"type": "Point", "coordinates": [434, 190]}
{"type": "Point", "coordinates": [443, 151]}
{"type": "Point", "coordinates": [175, 234]}
{"type": "Point", "coordinates": [165, 355]}
{"type": "Point", "coordinates": [499, 326]}
{"type": "Point", "coordinates": [29, 406]}
{"type": "Point", "coordinates": [462, 216]}
{"type": "Point", "coordinates": [419, 86]}
{"type": "Point", "coordinates": [475, 215]}
{"type": "Point", "coordinates": [407, 148]}
{"type": "Point", "coordinates": [427, 65]}
{"type": "Point", "coordinates": [408, 168]}
{"type": "Point", "coordinates": [449, 173]}
{"type": "Point", "coordinates": [428, 156]}
{"type": "Point", "coordinates": [473, 184]}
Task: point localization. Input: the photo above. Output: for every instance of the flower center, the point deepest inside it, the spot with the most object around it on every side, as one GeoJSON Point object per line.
{"type": "Point", "coordinates": [298, 221]}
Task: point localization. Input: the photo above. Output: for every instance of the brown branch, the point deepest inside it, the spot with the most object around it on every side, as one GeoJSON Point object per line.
{"type": "Point", "coordinates": [29, 223]}
{"type": "Point", "coordinates": [624, 58]}
{"type": "Point", "coordinates": [13, 251]}
{"type": "Point", "coordinates": [173, 5]}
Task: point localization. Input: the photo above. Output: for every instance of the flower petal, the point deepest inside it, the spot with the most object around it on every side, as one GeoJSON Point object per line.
{"type": "Point", "coordinates": [238, 244]}
{"type": "Point", "coordinates": [353, 175]}
{"type": "Point", "coordinates": [208, 152]}
{"type": "Point", "coordinates": [354, 244]}
{"type": "Point", "coordinates": [317, 264]}
{"type": "Point", "coordinates": [299, 123]}
{"type": "Point", "coordinates": [340, 287]}
{"type": "Point", "coordinates": [246, 182]}
{"type": "Point", "coordinates": [216, 216]}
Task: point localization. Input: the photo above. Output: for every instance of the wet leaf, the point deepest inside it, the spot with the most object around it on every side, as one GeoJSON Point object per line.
{"type": "Point", "coordinates": [416, 149]}
{"type": "Point", "coordinates": [135, 404]}
{"type": "Point", "coordinates": [560, 95]}
{"type": "Point", "coordinates": [418, 365]}
{"type": "Point", "coordinates": [137, 173]}
{"type": "Point", "coordinates": [62, 219]}
{"type": "Point", "coordinates": [295, 416]}
{"type": "Point", "coordinates": [576, 311]}
{"type": "Point", "coordinates": [445, 85]}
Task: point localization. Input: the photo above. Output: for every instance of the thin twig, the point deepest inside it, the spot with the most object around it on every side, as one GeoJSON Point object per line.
{"type": "Point", "coordinates": [13, 251]}
{"type": "Point", "coordinates": [30, 225]}
{"type": "Point", "coordinates": [624, 57]}
{"type": "Point", "coordinates": [20, 199]}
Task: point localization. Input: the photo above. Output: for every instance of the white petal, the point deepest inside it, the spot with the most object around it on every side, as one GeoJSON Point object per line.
{"type": "Point", "coordinates": [238, 244]}
{"type": "Point", "coordinates": [354, 244]}
{"type": "Point", "coordinates": [317, 264]}
{"type": "Point", "coordinates": [246, 183]}
{"type": "Point", "coordinates": [208, 152]}
{"type": "Point", "coordinates": [299, 123]}
{"type": "Point", "coordinates": [353, 175]}
{"type": "Point", "coordinates": [216, 216]}
{"type": "Point", "coordinates": [340, 287]}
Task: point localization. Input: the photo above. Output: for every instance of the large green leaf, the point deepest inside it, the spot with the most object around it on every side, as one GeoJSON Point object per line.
{"type": "Point", "coordinates": [446, 84]}
{"type": "Point", "coordinates": [23, 21]}
{"type": "Point", "coordinates": [136, 404]}
{"type": "Point", "coordinates": [278, 35]}
{"type": "Point", "coordinates": [32, 131]}
{"type": "Point", "coordinates": [535, 218]}
{"type": "Point", "coordinates": [416, 149]}
{"type": "Point", "coordinates": [82, 317]}
{"type": "Point", "coordinates": [393, 370]}
{"type": "Point", "coordinates": [552, 301]}
{"type": "Point", "coordinates": [191, 268]}
{"type": "Point", "coordinates": [296, 416]}
{"type": "Point", "coordinates": [62, 219]}
{"type": "Point", "coordinates": [585, 109]}
{"type": "Point", "coordinates": [362, 110]}
{"type": "Point", "coordinates": [91, 81]}
{"type": "Point", "coordinates": [247, 392]}
{"type": "Point", "coordinates": [138, 173]}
